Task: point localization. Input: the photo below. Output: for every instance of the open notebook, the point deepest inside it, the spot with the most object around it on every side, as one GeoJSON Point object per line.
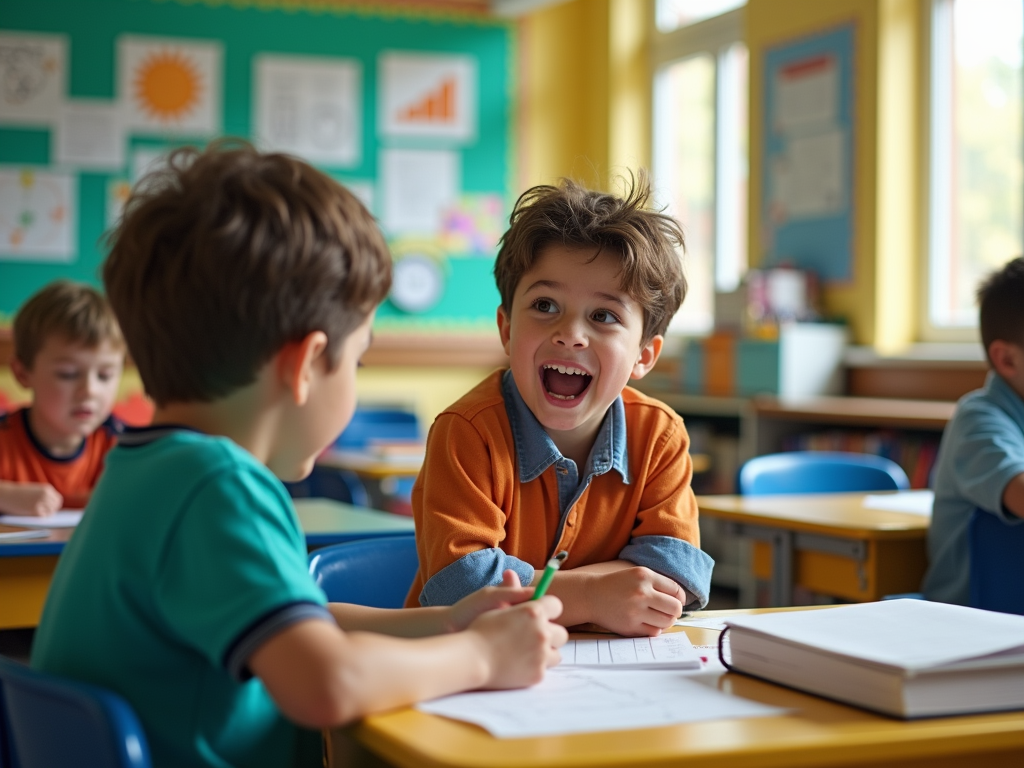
{"type": "Point", "coordinates": [672, 651]}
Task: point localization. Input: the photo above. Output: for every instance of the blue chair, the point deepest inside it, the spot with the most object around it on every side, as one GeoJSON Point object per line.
{"type": "Point", "coordinates": [369, 424]}
{"type": "Point", "coordinates": [374, 572]}
{"type": "Point", "coordinates": [331, 483]}
{"type": "Point", "coordinates": [48, 721]}
{"type": "Point", "coordinates": [820, 472]}
{"type": "Point", "coordinates": [997, 563]}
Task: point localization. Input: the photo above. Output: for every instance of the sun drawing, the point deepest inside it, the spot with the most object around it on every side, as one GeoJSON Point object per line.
{"type": "Point", "coordinates": [167, 86]}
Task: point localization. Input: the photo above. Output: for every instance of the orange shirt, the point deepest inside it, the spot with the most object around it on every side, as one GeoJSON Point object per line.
{"type": "Point", "coordinates": [469, 501]}
{"type": "Point", "coordinates": [24, 460]}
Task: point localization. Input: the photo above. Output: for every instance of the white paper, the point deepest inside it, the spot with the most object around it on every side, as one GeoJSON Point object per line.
{"type": "Point", "coordinates": [90, 134]}
{"type": "Point", "coordinates": [418, 186]}
{"type": "Point", "coordinates": [576, 700]}
{"type": "Point", "coordinates": [66, 518]}
{"type": "Point", "coordinates": [118, 192]}
{"type": "Point", "coordinates": [33, 78]}
{"type": "Point", "coordinates": [363, 190]}
{"type": "Point", "coordinates": [428, 95]}
{"type": "Point", "coordinates": [911, 634]}
{"type": "Point", "coordinates": [23, 535]}
{"type": "Point", "coordinates": [718, 624]}
{"type": "Point", "coordinates": [666, 651]}
{"type": "Point", "coordinates": [809, 178]}
{"type": "Point", "coordinates": [146, 160]}
{"type": "Point", "coordinates": [37, 214]}
{"type": "Point", "coordinates": [310, 107]}
{"type": "Point", "coordinates": [912, 502]}
{"type": "Point", "coordinates": [170, 86]}
{"type": "Point", "coordinates": [807, 93]}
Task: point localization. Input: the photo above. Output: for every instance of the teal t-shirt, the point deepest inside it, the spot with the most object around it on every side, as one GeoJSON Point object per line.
{"type": "Point", "coordinates": [188, 558]}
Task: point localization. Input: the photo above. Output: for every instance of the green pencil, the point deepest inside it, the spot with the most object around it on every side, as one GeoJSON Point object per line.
{"type": "Point", "coordinates": [549, 573]}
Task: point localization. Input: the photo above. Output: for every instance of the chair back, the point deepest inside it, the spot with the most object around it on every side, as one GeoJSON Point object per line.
{"type": "Point", "coordinates": [377, 572]}
{"type": "Point", "coordinates": [48, 721]}
{"type": "Point", "coordinates": [378, 424]}
{"type": "Point", "coordinates": [997, 563]}
{"type": "Point", "coordinates": [820, 472]}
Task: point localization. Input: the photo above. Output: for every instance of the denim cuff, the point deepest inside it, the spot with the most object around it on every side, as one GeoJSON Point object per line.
{"type": "Point", "coordinates": [469, 573]}
{"type": "Point", "coordinates": [679, 560]}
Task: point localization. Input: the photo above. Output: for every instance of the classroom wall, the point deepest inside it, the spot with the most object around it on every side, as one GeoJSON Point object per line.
{"type": "Point", "coordinates": [880, 301]}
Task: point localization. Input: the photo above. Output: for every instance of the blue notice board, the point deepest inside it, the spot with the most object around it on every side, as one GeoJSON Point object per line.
{"type": "Point", "coordinates": [808, 164]}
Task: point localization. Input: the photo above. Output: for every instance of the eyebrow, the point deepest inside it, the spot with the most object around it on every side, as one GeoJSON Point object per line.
{"type": "Point", "coordinates": [610, 297]}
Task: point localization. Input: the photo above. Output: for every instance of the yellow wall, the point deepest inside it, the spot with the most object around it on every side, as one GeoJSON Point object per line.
{"type": "Point", "coordinates": [878, 302]}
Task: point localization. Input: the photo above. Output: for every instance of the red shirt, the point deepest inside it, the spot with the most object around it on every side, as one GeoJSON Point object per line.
{"type": "Point", "coordinates": [24, 460]}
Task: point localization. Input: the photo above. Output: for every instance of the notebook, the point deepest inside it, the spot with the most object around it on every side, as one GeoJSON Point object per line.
{"type": "Point", "coordinates": [66, 518]}
{"type": "Point", "coordinates": [906, 658]}
{"type": "Point", "coordinates": [672, 651]}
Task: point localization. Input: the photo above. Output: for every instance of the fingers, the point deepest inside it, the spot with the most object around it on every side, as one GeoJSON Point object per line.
{"type": "Point", "coordinates": [550, 606]}
{"type": "Point", "coordinates": [510, 579]}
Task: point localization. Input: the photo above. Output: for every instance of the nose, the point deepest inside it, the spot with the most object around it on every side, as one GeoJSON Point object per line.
{"type": "Point", "coordinates": [570, 333]}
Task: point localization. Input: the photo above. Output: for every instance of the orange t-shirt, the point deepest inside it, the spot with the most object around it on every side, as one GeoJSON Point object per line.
{"type": "Point", "coordinates": [24, 460]}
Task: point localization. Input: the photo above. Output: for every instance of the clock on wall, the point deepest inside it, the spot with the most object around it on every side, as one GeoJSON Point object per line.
{"type": "Point", "coordinates": [417, 284]}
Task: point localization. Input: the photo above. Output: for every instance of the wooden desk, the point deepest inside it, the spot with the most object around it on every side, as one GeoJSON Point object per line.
{"type": "Point", "coordinates": [817, 732]}
{"type": "Point", "coordinates": [26, 567]}
{"type": "Point", "coordinates": [371, 466]}
{"type": "Point", "coordinates": [828, 543]}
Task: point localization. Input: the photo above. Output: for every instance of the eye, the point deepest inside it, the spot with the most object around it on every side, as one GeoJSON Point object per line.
{"type": "Point", "coordinates": [604, 316]}
{"type": "Point", "coordinates": [67, 375]}
{"type": "Point", "coordinates": [545, 305]}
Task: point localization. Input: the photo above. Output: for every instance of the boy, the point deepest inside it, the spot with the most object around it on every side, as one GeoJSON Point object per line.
{"type": "Point", "coordinates": [981, 456]}
{"type": "Point", "coordinates": [246, 286]}
{"type": "Point", "coordinates": [69, 352]}
{"type": "Point", "coordinates": [556, 453]}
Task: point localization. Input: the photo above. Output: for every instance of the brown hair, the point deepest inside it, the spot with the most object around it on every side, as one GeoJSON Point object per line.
{"type": "Point", "coordinates": [227, 255]}
{"type": "Point", "coordinates": [573, 216]}
{"type": "Point", "coordinates": [1001, 304]}
{"type": "Point", "coordinates": [74, 311]}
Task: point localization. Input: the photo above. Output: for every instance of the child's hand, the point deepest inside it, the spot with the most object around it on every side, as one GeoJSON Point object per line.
{"type": "Point", "coordinates": [468, 608]}
{"type": "Point", "coordinates": [636, 602]}
{"type": "Point", "coordinates": [520, 642]}
{"type": "Point", "coordinates": [37, 499]}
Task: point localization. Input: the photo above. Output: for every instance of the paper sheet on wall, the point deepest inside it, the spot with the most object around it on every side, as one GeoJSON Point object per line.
{"type": "Point", "coordinates": [33, 77]}
{"type": "Point", "coordinates": [588, 700]}
{"type": "Point", "coordinates": [809, 178]}
{"type": "Point", "coordinates": [807, 93]}
{"type": "Point", "coordinates": [418, 186]}
{"type": "Point", "coordinates": [428, 96]}
{"type": "Point", "coordinates": [309, 107]}
{"type": "Point", "coordinates": [90, 134]}
{"type": "Point", "coordinates": [170, 86]}
{"type": "Point", "coordinates": [37, 215]}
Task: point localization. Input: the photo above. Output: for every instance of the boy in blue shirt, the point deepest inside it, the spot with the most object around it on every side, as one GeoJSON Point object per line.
{"type": "Point", "coordinates": [981, 456]}
{"type": "Point", "coordinates": [246, 286]}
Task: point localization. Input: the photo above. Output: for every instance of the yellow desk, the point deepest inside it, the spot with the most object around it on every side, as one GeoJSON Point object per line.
{"type": "Point", "coordinates": [817, 732]}
{"type": "Point", "coordinates": [829, 543]}
{"type": "Point", "coordinates": [371, 465]}
{"type": "Point", "coordinates": [26, 567]}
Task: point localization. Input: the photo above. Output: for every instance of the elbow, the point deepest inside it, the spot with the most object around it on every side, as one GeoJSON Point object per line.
{"type": "Point", "coordinates": [332, 700]}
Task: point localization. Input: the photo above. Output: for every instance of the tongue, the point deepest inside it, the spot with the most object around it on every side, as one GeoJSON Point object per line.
{"type": "Point", "coordinates": [564, 383]}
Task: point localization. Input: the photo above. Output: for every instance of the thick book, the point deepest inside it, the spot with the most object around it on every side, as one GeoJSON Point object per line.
{"type": "Point", "coordinates": [905, 658]}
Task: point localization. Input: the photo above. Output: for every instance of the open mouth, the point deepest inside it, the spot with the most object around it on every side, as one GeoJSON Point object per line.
{"type": "Point", "coordinates": [564, 382]}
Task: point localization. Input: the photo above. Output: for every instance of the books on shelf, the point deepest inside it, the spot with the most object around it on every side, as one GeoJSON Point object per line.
{"type": "Point", "coordinates": [915, 453]}
{"type": "Point", "coordinates": [906, 658]}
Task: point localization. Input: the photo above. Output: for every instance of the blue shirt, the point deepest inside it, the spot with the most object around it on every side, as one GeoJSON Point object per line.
{"type": "Point", "coordinates": [982, 449]}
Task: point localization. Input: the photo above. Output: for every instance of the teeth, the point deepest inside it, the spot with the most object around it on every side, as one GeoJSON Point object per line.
{"type": "Point", "coordinates": [568, 369]}
{"type": "Point", "coordinates": [562, 397]}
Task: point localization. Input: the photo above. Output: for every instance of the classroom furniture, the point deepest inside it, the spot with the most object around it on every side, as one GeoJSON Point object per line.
{"type": "Point", "coordinates": [828, 543]}
{"type": "Point", "coordinates": [49, 721]}
{"type": "Point", "coordinates": [374, 572]}
{"type": "Point", "coordinates": [997, 563]}
{"type": "Point", "coordinates": [815, 732]}
{"type": "Point", "coordinates": [325, 482]}
{"type": "Point", "coordinates": [27, 567]}
{"type": "Point", "coordinates": [820, 472]}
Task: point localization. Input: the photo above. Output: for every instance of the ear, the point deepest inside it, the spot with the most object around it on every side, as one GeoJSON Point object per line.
{"type": "Point", "coordinates": [505, 330]}
{"type": "Point", "coordinates": [296, 365]}
{"type": "Point", "coordinates": [649, 354]}
{"type": "Point", "coordinates": [21, 373]}
{"type": "Point", "coordinates": [1006, 357]}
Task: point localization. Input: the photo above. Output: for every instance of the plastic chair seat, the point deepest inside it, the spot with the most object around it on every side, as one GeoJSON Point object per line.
{"type": "Point", "coordinates": [820, 472]}
{"type": "Point", "coordinates": [375, 572]}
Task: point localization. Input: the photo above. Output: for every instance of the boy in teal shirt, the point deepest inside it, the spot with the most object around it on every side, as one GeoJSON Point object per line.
{"type": "Point", "coordinates": [246, 286]}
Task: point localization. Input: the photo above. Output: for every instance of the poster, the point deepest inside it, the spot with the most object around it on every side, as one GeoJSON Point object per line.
{"type": "Point", "coordinates": [428, 96]}
{"type": "Point", "coordinates": [33, 78]}
{"type": "Point", "coordinates": [309, 107]}
{"type": "Point", "coordinates": [170, 86]}
{"type": "Point", "coordinates": [37, 214]}
{"type": "Point", "coordinates": [418, 187]}
{"type": "Point", "coordinates": [90, 134]}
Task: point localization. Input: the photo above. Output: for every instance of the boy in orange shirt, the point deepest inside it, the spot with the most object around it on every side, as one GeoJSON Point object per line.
{"type": "Point", "coordinates": [557, 453]}
{"type": "Point", "coordinates": [69, 352]}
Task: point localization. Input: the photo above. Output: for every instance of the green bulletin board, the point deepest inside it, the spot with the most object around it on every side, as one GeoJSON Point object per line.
{"type": "Point", "coordinates": [459, 249]}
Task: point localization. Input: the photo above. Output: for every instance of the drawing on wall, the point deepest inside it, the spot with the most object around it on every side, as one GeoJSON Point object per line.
{"type": "Point", "coordinates": [472, 226]}
{"type": "Point", "coordinates": [430, 96]}
{"type": "Point", "coordinates": [807, 218]}
{"type": "Point", "coordinates": [418, 186]}
{"type": "Point", "coordinates": [89, 134]}
{"type": "Point", "coordinates": [33, 74]}
{"type": "Point", "coordinates": [36, 215]}
{"type": "Point", "coordinates": [118, 192]}
{"type": "Point", "coordinates": [309, 107]}
{"type": "Point", "coordinates": [170, 86]}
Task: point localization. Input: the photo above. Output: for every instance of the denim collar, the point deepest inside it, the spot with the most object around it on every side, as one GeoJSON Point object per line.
{"type": "Point", "coordinates": [536, 450]}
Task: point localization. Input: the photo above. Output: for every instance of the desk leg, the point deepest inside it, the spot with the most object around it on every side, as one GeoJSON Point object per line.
{"type": "Point", "coordinates": [782, 568]}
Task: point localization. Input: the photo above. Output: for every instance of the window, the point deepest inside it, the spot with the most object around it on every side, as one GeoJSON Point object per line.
{"type": "Point", "coordinates": [976, 168]}
{"type": "Point", "coordinates": [700, 145]}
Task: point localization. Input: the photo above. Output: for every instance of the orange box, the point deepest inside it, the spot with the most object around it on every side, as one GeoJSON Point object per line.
{"type": "Point", "coordinates": [720, 364]}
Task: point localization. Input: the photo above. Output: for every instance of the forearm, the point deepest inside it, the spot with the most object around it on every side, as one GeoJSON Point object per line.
{"type": "Point", "coordinates": [574, 588]}
{"type": "Point", "coordinates": [7, 491]}
{"type": "Point", "coordinates": [401, 622]}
